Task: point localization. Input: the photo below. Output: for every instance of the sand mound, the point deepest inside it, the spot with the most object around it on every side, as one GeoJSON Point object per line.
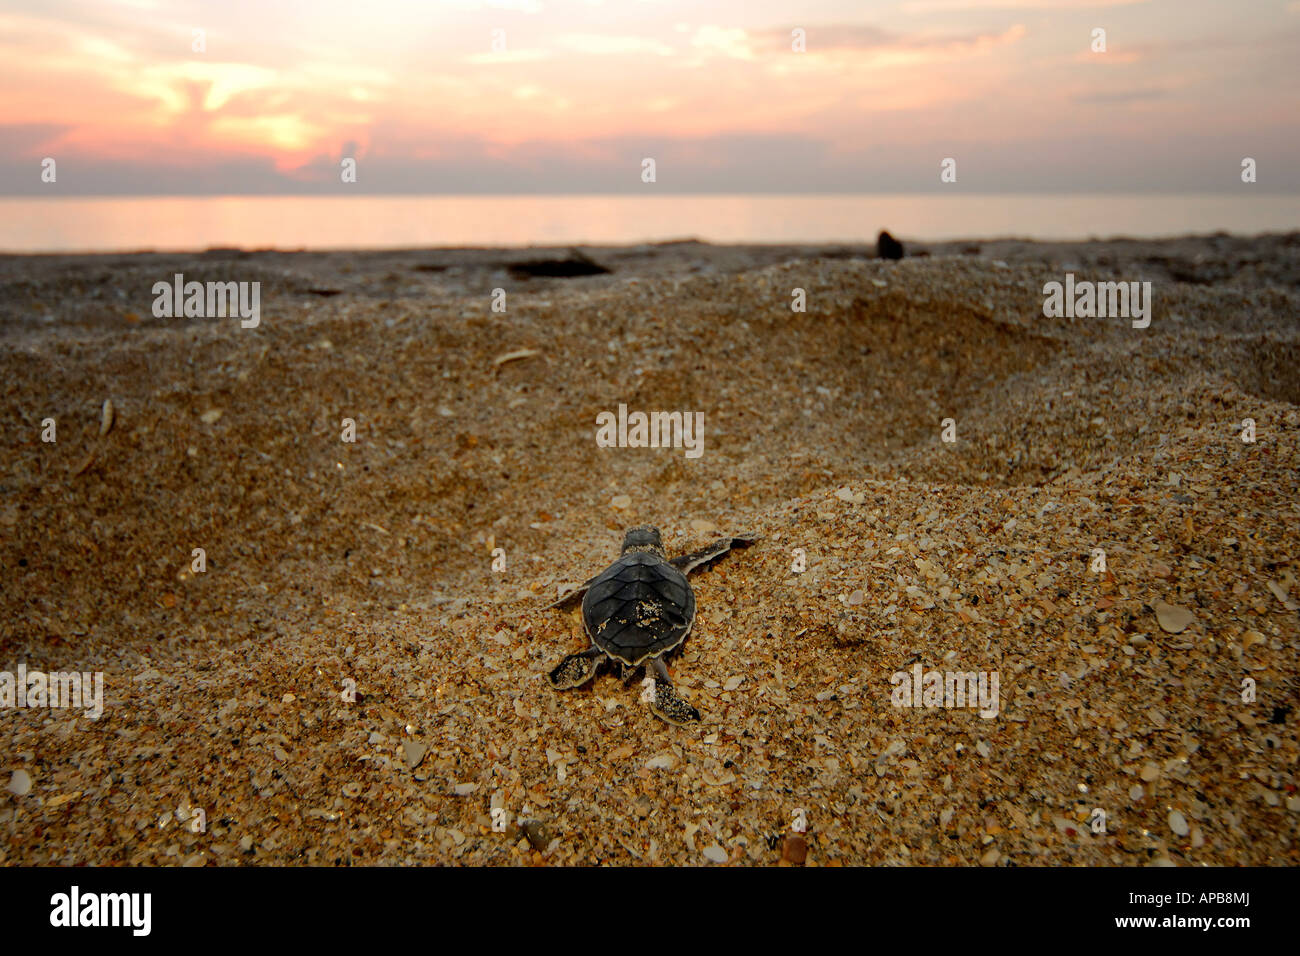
{"type": "Point", "coordinates": [330, 562]}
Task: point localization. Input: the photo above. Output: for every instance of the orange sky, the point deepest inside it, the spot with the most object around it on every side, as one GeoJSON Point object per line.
{"type": "Point", "coordinates": [583, 90]}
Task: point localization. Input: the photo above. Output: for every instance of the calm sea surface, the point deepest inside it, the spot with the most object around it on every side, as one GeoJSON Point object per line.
{"type": "Point", "coordinates": [379, 222]}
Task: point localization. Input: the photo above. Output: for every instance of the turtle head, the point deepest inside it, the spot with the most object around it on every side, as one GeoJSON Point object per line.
{"type": "Point", "coordinates": [644, 538]}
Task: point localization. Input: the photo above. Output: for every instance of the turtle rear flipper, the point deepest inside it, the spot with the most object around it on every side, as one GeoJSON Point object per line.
{"type": "Point", "coordinates": [576, 669]}
{"type": "Point", "coordinates": [667, 705]}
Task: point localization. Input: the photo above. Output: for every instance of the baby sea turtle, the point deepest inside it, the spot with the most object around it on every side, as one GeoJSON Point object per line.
{"type": "Point", "coordinates": [635, 612]}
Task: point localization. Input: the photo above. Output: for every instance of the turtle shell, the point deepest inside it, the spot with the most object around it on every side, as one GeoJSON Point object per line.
{"type": "Point", "coordinates": [639, 607]}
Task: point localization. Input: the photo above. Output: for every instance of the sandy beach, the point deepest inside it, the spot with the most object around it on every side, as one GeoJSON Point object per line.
{"type": "Point", "coordinates": [348, 681]}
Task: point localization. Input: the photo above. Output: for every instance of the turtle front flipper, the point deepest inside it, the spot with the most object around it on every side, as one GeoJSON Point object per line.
{"type": "Point", "coordinates": [576, 669]}
{"type": "Point", "coordinates": [687, 563]}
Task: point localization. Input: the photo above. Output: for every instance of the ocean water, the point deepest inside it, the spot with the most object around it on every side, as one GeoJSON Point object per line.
{"type": "Point", "coordinates": [379, 222]}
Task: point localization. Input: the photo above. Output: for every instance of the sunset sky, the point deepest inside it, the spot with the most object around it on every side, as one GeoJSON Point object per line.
{"type": "Point", "coordinates": [709, 88]}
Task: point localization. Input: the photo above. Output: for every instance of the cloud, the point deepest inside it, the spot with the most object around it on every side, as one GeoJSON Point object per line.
{"type": "Point", "coordinates": [1104, 97]}
{"type": "Point", "coordinates": [949, 6]}
{"type": "Point", "coordinates": [30, 139]}
{"type": "Point", "coordinates": [857, 36]}
{"type": "Point", "coordinates": [508, 56]}
{"type": "Point", "coordinates": [738, 44]}
{"type": "Point", "coordinates": [1040, 161]}
{"type": "Point", "coordinates": [839, 36]}
{"type": "Point", "coordinates": [602, 44]}
{"type": "Point", "coordinates": [732, 42]}
{"type": "Point", "coordinates": [1110, 56]}
{"type": "Point", "coordinates": [114, 92]}
{"type": "Point", "coordinates": [513, 6]}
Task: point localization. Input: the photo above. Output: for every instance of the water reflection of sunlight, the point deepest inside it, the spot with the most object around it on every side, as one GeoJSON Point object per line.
{"type": "Point", "coordinates": [338, 222]}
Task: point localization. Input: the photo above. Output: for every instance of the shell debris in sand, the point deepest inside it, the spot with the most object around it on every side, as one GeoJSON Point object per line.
{"type": "Point", "coordinates": [413, 752]}
{"type": "Point", "coordinates": [85, 463]}
{"type": "Point", "coordinates": [1178, 823]}
{"type": "Point", "coordinates": [794, 848]}
{"type": "Point", "coordinates": [514, 356]}
{"type": "Point", "coordinates": [439, 651]}
{"type": "Point", "coordinates": [1172, 618]}
{"type": "Point", "coordinates": [20, 783]}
